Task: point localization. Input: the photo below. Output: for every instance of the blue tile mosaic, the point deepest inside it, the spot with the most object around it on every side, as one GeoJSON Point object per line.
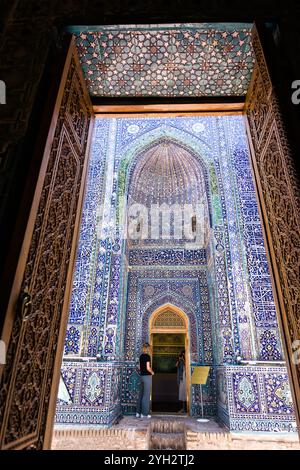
{"type": "Point", "coordinates": [222, 284]}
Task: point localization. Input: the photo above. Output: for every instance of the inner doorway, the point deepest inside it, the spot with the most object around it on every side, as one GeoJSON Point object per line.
{"type": "Point", "coordinates": [169, 337]}
{"type": "Point", "coordinates": [165, 386]}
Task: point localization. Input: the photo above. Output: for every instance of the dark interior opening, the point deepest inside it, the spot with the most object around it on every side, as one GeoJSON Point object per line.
{"type": "Point", "coordinates": [165, 388]}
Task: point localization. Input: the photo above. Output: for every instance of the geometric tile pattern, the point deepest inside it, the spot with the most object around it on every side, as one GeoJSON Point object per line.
{"type": "Point", "coordinates": [92, 388]}
{"type": "Point", "coordinates": [69, 377]}
{"type": "Point", "coordinates": [269, 340]}
{"type": "Point", "coordinates": [173, 60]}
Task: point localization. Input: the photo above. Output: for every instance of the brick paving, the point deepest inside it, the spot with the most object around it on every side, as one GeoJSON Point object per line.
{"type": "Point", "coordinates": [132, 434]}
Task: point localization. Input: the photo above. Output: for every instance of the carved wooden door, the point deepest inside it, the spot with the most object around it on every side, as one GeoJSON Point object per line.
{"type": "Point", "coordinates": [279, 196]}
{"type": "Point", "coordinates": [37, 315]}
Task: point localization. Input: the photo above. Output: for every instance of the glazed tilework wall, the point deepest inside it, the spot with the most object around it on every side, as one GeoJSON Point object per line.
{"type": "Point", "coordinates": [255, 398]}
{"type": "Point", "coordinates": [264, 311]}
{"type": "Point", "coordinates": [225, 290]}
{"type": "Point", "coordinates": [95, 391]}
{"type": "Point", "coordinates": [93, 257]}
{"type": "Point", "coordinates": [223, 149]}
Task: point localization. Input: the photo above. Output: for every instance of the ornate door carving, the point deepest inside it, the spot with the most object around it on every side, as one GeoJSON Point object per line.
{"type": "Point", "coordinates": [38, 308]}
{"type": "Point", "coordinates": [278, 192]}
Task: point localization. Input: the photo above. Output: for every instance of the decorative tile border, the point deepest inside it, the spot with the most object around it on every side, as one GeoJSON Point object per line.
{"type": "Point", "coordinates": [255, 398]}
{"type": "Point", "coordinates": [95, 390]}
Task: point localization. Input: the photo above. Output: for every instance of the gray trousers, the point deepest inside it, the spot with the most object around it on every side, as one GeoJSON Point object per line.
{"type": "Point", "coordinates": [143, 406]}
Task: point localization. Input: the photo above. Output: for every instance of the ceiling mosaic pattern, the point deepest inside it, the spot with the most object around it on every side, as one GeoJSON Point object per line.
{"type": "Point", "coordinates": [171, 61]}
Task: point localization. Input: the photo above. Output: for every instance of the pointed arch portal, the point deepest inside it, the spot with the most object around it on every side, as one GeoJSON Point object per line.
{"type": "Point", "coordinates": [169, 336]}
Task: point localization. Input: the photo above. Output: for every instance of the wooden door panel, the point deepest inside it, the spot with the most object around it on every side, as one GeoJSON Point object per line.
{"type": "Point", "coordinates": [278, 192]}
{"type": "Point", "coordinates": [38, 306]}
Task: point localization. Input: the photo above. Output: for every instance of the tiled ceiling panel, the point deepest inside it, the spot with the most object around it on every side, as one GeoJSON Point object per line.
{"type": "Point", "coordinates": [179, 60]}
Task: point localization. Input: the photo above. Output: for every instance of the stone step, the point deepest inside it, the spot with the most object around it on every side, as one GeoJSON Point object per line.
{"type": "Point", "coordinates": [167, 434]}
{"type": "Point", "coordinates": [175, 441]}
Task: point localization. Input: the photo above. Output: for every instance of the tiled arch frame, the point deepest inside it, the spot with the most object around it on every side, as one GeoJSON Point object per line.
{"type": "Point", "coordinates": [175, 301]}
{"type": "Point", "coordinates": [156, 323]}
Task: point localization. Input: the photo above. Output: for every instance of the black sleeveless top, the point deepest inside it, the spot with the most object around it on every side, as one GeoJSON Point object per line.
{"type": "Point", "coordinates": [144, 358]}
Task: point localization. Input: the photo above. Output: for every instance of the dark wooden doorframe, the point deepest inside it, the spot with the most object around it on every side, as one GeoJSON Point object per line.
{"type": "Point", "coordinates": [278, 192]}
{"type": "Point", "coordinates": [37, 313]}
{"type": "Point", "coordinates": [36, 428]}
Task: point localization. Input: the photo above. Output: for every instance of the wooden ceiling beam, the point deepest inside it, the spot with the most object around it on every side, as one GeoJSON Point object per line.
{"type": "Point", "coordinates": [175, 109]}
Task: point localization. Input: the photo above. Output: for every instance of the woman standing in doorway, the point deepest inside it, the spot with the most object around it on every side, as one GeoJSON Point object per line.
{"type": "Point", "coordinates": [143, 409]}
{"type": "Point", "coordinates": [181, 380]}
